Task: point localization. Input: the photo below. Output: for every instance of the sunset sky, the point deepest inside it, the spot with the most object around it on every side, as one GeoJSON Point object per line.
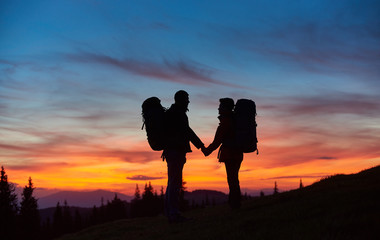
{"type": "Point", "coordinates": [73, 76]}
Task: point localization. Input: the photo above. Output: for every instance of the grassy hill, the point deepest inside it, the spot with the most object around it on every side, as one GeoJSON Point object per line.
{"type": "Point", "coordinates": [337, 207]}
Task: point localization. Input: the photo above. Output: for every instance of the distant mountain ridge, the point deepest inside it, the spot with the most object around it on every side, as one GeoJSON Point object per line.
{"type": "Point", "coordinates": [88, 199]}
{"type": "Point", "coordinates": [80, 199]}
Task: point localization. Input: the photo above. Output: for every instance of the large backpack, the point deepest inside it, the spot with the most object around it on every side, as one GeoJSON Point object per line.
{"type": "Point", "coordinates": [245, 125]}
{"type": "Point", "coordinates": [153, 119]}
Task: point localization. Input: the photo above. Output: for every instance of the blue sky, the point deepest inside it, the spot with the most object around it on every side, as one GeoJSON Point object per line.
{"type": "Point", "coordinates": [73, 75]}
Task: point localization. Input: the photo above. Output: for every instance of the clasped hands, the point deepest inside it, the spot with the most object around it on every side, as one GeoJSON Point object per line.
{"type": "Point", "coordinates": [206, 151]}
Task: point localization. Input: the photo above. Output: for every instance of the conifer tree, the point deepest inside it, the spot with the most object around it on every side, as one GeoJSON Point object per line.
{"type": "Point", "coordinates": [58, 220]}
{"type": "Point", "coordinates": [148, 192]}
{"type": "Point", "coordinates": [150, 205]}
{"type": "Point", "coordinates": [136, 203]}
{"type": "Point", "coordinates": [29, 214]}
{"type": "Point", "coordinates": [78, 222]}
{"type": "Point", "coordinates": [182, 191]}
{"type": "Point", "coordinates": [67, 218]}
{"type": "Point", "coordinates": [246, 197]}
{"type": "Point", "coordinates": [8, 207]}
{"type": "Point", "coordinates": [275, 191]}
{"type": "Point", "coordinates": [94, 218]}
{"type": "Point", "coordinates": [116, 209]}
{"type": "Point", "coordinates": [183, 203]}
{"type": "Point", "coordinates": [102, 212]}
{"type": "Point", "coordinates": [161, 199]}
{"type": "Point", "coordinates": [137, 192]}
{"type": "Point", "coordinates": [162, 194]}
{"type": "Point", "coordinates": [262, 194]}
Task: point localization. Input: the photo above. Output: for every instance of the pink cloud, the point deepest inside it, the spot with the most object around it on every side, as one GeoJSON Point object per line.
{"type": "Point", "coordinates": [36, 166]}
{"type": "Point", "coordinates": [75, 148]}
{"type": "Point", "coordinates": [143, 178]}
{"type": "Point", "coordinates": [189, 72]}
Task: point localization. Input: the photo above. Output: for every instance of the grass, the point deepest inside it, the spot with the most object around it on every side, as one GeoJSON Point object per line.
{"type": "Point", "coordinates": [337, 207]}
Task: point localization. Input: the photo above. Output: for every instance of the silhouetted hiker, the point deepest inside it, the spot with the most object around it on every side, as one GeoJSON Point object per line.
{"type": "Point", "coordinates": [177, 144]}
{"type": "Point", "coordinates": [231, 155]}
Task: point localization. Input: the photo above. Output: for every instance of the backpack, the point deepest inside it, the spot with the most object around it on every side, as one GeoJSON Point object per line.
{"type": "Point", "coordinates": [153, 119]}
{"type": "Point", "coordinates": [245, 125]}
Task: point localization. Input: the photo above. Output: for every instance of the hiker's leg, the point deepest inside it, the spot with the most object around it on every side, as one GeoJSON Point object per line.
{"type": "Point", "coordinates": [175, 162]}
{"type": "Point", "coordinates": [232, 169]}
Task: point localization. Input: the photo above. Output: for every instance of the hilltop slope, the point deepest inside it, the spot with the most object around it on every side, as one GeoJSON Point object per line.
{"type": "Point", "coordinates": [338, 207]}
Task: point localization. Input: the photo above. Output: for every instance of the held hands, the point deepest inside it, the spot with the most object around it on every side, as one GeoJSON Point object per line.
{"type": "Point", "coordinates": [206, 151]}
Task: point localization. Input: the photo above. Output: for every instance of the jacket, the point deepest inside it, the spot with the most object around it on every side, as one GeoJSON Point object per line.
{"type": "Point", "coordinates": [224, 136]}
{"type": "Point", "coordinates": [178, 132]}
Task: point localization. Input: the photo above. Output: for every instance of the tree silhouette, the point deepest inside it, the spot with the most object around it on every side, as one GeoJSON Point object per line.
{"type": "Point", "coordinates": [262, 194]}
{"type": "Point", "coordinates": [246, 196]}
{"type": "Point", "coordinates": [78, 222]}
{"type": "Point", "coordinates": [148, 193]}
{"type": "Point", "coordinates": [102, 216]}
{"type": "Point", "coordinates": [183, 203]}
{"type": "Point", "coordinates": [136, 203]}
{"type": "Point", "coordinates": [150, 204]}
{"type": "Point", "coordinates": [67, 218]}
{"type": "Point", "coordinates": [94, 218]}
{"type": "Point", "coordinates": [8, 207]}
{"type": "Point", "coordinates": [162, 194]}
{"type": "Point", "coordinates": [137, 193]}
{"type": "Point", "coordinates": [58, 220]}
{"type": "Point", "coordinates": [29, 215]}
{"type": "Point", "coordinates": [116, 209]}
{"type": "Point", "coordinates": [162, 198]}
{"type": "Point", "coordinates": [275, 190]}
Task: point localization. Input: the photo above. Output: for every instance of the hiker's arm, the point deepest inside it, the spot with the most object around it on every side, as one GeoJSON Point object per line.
{"type": "Point", "coordinates": [194, 139]}
{"type": "Point", "coordinates": [217, 140]}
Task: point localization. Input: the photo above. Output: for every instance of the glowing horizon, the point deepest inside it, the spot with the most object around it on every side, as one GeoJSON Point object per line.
{"type": "Point", "coordinates": [73, 76]}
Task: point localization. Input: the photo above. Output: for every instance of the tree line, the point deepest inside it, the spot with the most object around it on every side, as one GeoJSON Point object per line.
{"type": "Point", "coordinates": [24, 221]}
{"type": "Point", "coordinates": [18, 222]}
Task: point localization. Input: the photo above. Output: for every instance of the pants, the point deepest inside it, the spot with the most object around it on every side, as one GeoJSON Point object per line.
{"type": "Point", "coordinates": [175, 162]}
{"type": "Point", "coordinates": [232, 169]}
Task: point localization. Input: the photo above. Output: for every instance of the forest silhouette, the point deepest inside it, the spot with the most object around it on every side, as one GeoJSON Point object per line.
{"type": "Point", "coordinates": [27, 221]}
{"type": "Point", "coordinates": [336, 207]}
